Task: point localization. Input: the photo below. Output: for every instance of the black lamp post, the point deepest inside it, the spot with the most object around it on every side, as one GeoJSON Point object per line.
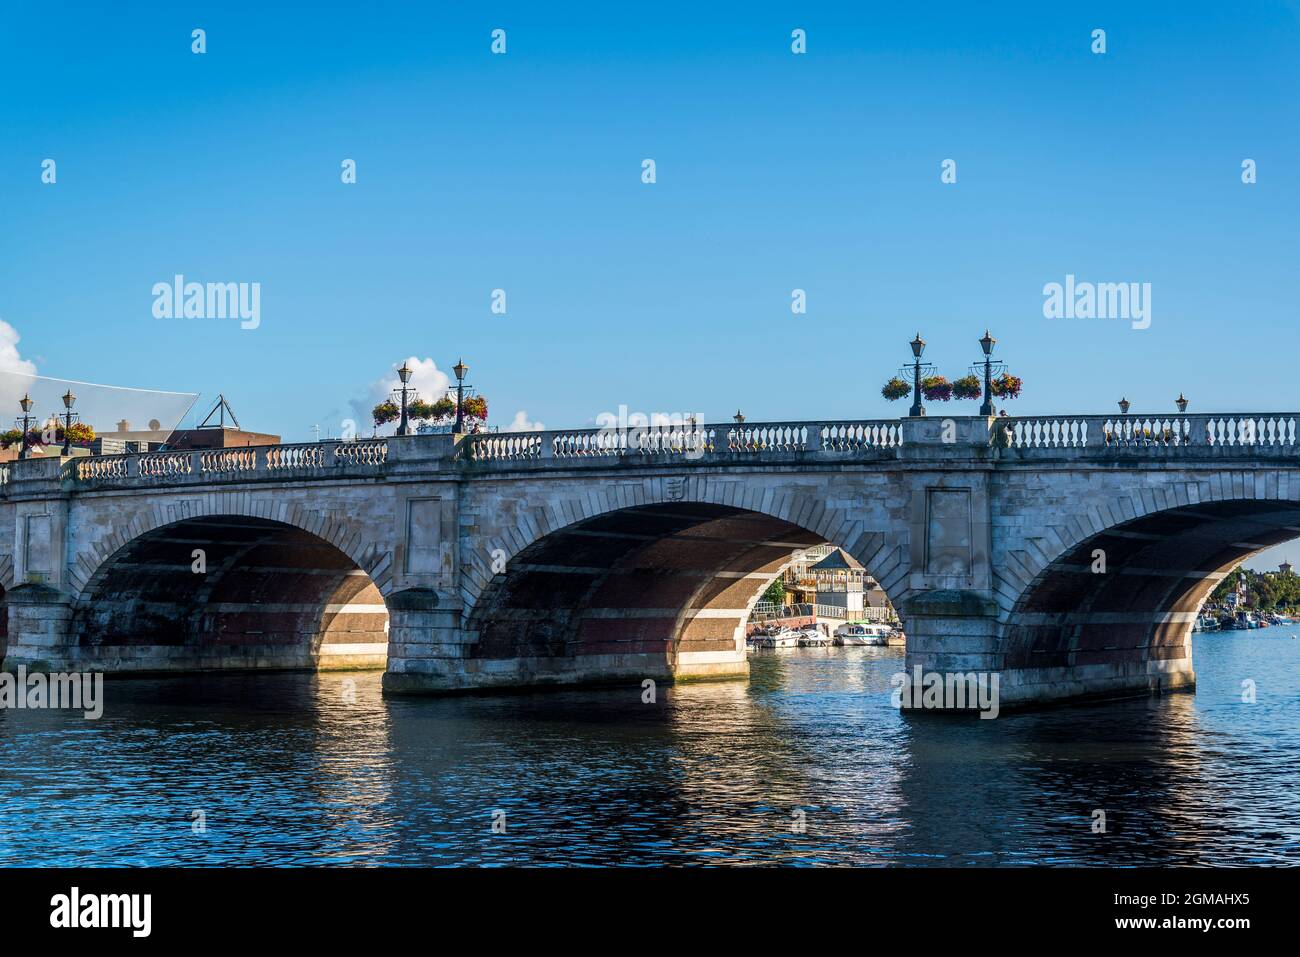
{"type": "Point", "coordinates": [26, 403]}
{"type": "Point", "coordinates": [1181, 403]}
{"type": "Point", "coordinates": [460, 369]}
{"type": "Point", "coordinates": [68, 400]}
{"type": "Point", "coordinates": [739, 417]}
{"type": "Point", "coordinates": [1123, 406]}
{"type": "Point", "coordinates": [987, 344]}
{"type": "Point", "coordinates": [918, 347]}
{"type": "Point", "coordinates": [404, 373]}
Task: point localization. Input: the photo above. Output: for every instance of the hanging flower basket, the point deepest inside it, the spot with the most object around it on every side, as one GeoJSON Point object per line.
{"type": "Point", "coordinates": [896, 389]}
{"type": "Point", "coordinates": [967, 387]}
{"type": "Point", "coordinates": [419, 410]}
{"type": "Point", "coordinates": [475, 407]}
{"type": "Point", "coordinates": [443, 410]}
{"type": "Point", "coordinates": [936, 388]}
{"type": "Point", "coordinates": [1007, 386]}
{"type": "Point", "coordinates": [385, 412]}
{"type": "Point", "coordinates": [79, 433]}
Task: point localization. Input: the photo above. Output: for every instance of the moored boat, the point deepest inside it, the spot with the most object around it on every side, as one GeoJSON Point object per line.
{"type": "Point", "coordinates": [784, 638]}
{"type": "Point", "coordinates": [862, 633]}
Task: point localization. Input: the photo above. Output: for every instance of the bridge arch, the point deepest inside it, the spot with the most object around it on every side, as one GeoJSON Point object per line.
{"type": "Point", "coordinates": [1120, 594]}
{"type": "Point", "coordinates": [228, 590]}
{"type": "Point", "coordinates": [860, 523]}
{"type": "Point", "coordinates": [131, 519]}
{"type": "Point", "coordinates": [625, 584]}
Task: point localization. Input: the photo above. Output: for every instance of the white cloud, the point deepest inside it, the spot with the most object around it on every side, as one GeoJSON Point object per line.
{"type": "Point", "coordinates": [521, 423]}
{"type": "Point", "coordinates": [10, 360]}
{"type": "Point", "coordinates": [427, 380]}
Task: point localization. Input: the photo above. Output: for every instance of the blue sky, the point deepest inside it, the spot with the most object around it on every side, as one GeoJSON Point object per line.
{"type": "Point", "coordinates": [775, 172]}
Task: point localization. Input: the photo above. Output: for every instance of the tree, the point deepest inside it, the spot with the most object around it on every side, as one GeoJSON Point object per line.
{"type": "Point", "coordinates": [775, 592]}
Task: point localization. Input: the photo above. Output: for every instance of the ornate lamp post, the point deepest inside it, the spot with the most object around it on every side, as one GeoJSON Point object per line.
{"type": "Point", "coordinates": [918, 347]}
{"type": "Point", "coordinates": [68, 400]}
{"type": "Point", "coordinates": [26, 403]}
{"type": "Point", "coordinates": [739, 417]}
{"type": "Point", "coordinates": [460, 369]}
{"type": "Point", "coordinates": [1123, 406]}
{"type": "Point", "coordinates": [1181, 403]}
{"type": "Point", "coordinates": [987, 344]}
{"type": "Point", "coordinates": [404, 373]}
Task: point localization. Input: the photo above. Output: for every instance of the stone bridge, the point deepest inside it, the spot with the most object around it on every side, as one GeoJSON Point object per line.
{"type": "Point", "coordinates": [1067, 554]}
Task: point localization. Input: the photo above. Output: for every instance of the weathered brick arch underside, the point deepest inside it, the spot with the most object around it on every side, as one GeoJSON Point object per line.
{"type": "Point", "coordinates": [330, 525]}
{"type": "Point", "coordinates": [636, 575]}
{"type": "Point", "coordinates": [1164, 551]}
{"type": "Point", "coordinates": [275, 593]}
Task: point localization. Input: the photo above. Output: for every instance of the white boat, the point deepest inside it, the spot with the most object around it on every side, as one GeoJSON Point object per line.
{"type": "Point", "coordinates": [860, 633]}
{"type": "Point", "coordinates": [785, 638]}
{"type": "Point", "coordinates": [810, 636]}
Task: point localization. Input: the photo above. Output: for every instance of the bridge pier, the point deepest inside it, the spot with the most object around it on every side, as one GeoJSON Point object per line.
{"type": "Point", "coordinates": [40, 634]}
{"type": "Point", "coordinates": [957, 633]}
{"type": "Point", "coordinates": [429, 652]}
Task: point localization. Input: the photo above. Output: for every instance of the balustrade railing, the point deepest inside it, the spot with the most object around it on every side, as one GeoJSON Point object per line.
{"type": "Point", "coordinates": [723, 443]}
{"type": "Point", "coordinates": [685, 440]}
{"type": "Point", "coordinates": [202, 464]}
{"type": "Point", "coordinates": [1266, 431]}
{"type": "Point", "coordinates": [166, 464]}
{"type": "Point", "coordinates": [362, 452]}
{"type": "Point", "coordinates": [101, 467]}
{"type": "Point", "coordinates": [228, 460]}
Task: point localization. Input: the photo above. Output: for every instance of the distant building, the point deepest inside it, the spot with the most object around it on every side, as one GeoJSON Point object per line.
{"type": "Point", "coordinates": [800, 586]}
{"type": "Point", "coordinates": [211, 438]}
{"type": "Point", "coordinates": [841, 585]}
{"type": "Point", "coordinates": [1284, 568]}
{"type": "Point", "coordinates": [208, 435]}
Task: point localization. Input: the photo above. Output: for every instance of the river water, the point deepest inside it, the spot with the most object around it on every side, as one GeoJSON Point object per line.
{"type": "Point", "coordinates": [807, 763]}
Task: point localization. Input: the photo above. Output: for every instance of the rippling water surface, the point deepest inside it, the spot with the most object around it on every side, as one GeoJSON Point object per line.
{"type": "Point", "coordinates": [289, 770]}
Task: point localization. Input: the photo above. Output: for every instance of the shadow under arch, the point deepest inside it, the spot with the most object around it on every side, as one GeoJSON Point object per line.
{"type": "Point", "coordinates": [655, 590]}
{"type": "Point", "coordinates": [229, 592]}
{"type": "Point", "coordinates": [1138, 612]}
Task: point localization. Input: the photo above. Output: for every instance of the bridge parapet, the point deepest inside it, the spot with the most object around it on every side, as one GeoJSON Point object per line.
{"type": "Point", "coordinates": [1264, 431]}
{"type": "Point", "coordinates": [1233, 435]}
{"type": "Point", "coordinates": [268, 462]}
{"type": "Point", "coordinates": [755, 442]}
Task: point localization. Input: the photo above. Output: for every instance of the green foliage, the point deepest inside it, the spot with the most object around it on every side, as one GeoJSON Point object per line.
{"type": "Point", "coordinates": [896, 389]}
{"type": "Point", "coordinates": [1263, 591]}
{"type": "Point", "coordinates": [775, 592]}
{"type": "Point", "coordinates": [967, 387]}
